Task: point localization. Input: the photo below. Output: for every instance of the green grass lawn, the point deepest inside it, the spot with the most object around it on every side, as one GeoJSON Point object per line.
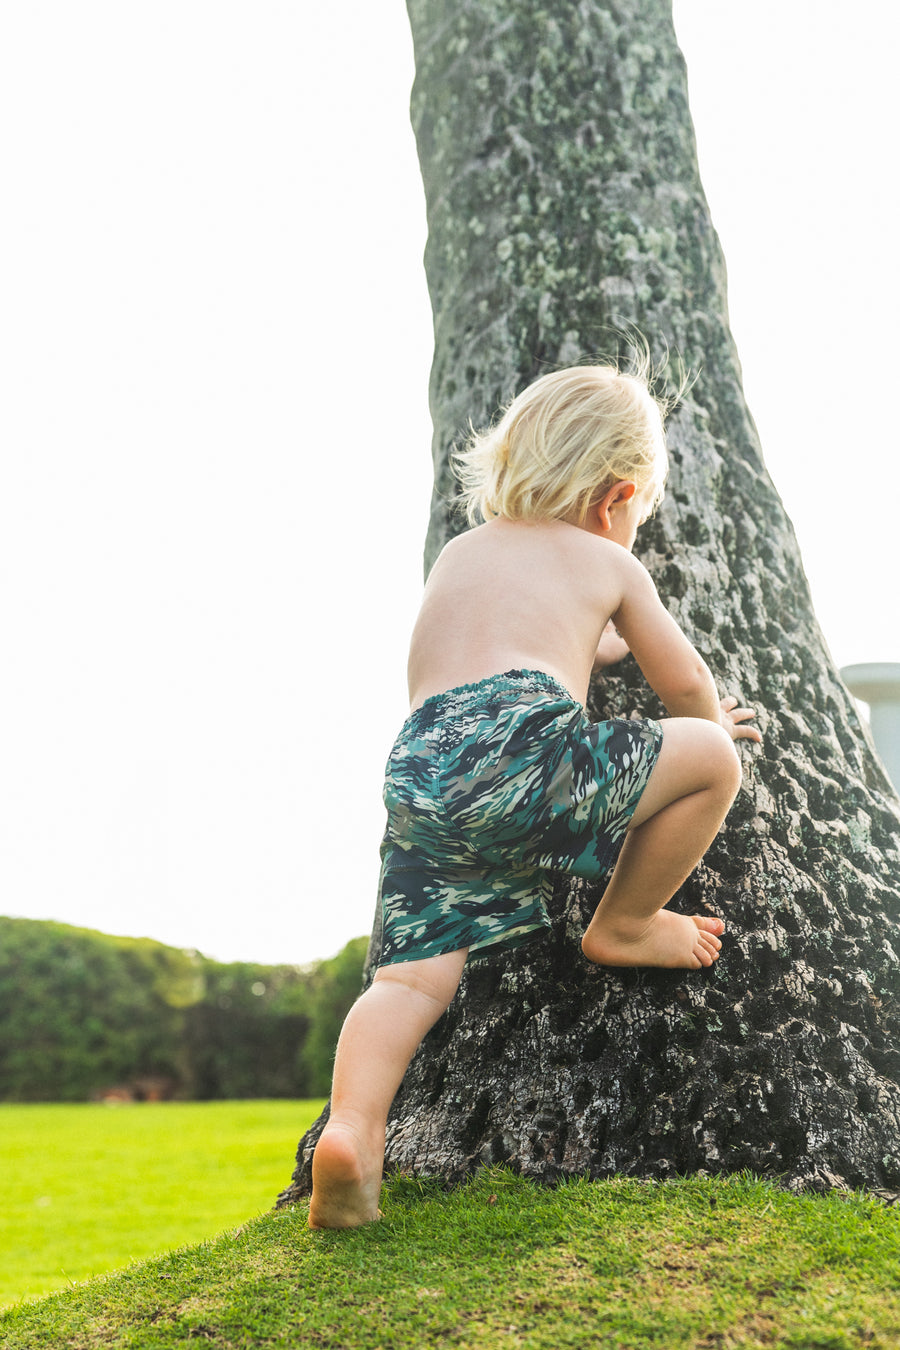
{"type": "Point", "coordinates": [503, 1264]}
{"type": "Point", "coordinates": [88, 1189]}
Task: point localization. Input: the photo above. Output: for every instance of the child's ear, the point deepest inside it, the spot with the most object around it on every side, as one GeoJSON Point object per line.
{"type": "Point", "coordinates": [617, 495]}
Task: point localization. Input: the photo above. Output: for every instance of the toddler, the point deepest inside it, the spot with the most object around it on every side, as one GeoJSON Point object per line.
{"type": "Point", "coordinates": [498, 779]}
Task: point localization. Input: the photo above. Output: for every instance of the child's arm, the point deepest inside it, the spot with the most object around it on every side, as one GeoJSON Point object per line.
{"type": "Point", "coordinates": [672, 666]}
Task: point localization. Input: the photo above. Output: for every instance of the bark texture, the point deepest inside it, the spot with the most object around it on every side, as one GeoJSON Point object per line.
{"type": "Point", "coordinates": [564, 200]}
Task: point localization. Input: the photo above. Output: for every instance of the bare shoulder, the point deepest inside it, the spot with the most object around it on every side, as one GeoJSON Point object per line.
{"type": "Point", "coordinates": [555, 536]}
{"type": "Point", "coordinates": [592, 554]}
{"type": "Point", "coordinates": [545, 553]}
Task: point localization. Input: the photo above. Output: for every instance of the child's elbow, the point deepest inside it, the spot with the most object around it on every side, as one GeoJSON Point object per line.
{"type": "Point", "coordinates": [691, 693]}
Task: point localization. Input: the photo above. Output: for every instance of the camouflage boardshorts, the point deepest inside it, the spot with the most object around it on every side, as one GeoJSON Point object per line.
{"type": "Point", "coordinates": [490, 788]}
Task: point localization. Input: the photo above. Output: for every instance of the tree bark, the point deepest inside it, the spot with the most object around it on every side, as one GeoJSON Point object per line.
{"type": "Point", "coordinates": [564, 201]}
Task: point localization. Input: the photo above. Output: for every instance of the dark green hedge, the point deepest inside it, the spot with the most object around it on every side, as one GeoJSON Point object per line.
{"type": "Point", "coordinates": [81, 1011]}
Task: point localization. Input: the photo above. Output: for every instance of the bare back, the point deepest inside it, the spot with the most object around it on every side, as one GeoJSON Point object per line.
{"type": "Point", "coordinates": [513, 595]}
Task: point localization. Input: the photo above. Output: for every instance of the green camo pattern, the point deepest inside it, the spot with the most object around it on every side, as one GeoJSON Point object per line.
{"type": "Point", "coordinates": [489, 789]}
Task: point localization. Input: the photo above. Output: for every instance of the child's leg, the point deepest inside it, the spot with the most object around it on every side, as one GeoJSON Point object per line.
{"type": "Point", "coordinates": [379, 1038]}
{"type": "Point", "coordinates": [687, 797]}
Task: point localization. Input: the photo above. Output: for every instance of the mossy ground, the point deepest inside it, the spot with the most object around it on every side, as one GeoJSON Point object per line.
{"type": "Point", "coordinates": [502, 1263]}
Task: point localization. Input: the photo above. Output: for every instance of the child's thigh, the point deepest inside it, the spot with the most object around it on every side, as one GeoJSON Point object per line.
{"type": "Point", "coordinates": [695, 755]}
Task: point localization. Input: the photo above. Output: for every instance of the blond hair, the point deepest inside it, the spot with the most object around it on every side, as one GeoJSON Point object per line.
{"type": "Point", "coordinates": [562, 443]}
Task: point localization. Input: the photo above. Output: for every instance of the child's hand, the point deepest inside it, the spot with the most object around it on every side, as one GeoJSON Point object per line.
{"type": "Point", "coordinates": [732, 717]}
{"type": "Point", "coordinates": [611, 647]}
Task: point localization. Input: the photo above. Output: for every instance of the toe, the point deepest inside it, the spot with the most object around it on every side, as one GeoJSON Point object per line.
{"type": "Point", "coordinates": [709, 925]}
{"type": "Point", "coordinates": [708, 950]}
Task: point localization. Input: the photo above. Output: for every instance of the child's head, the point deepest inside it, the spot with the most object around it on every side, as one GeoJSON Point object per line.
{"type": "Point", "coordinates": [562, 443]}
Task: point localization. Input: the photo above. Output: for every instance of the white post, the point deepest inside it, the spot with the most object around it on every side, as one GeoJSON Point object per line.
{"type": "Point", "coordinates": [878, 684]}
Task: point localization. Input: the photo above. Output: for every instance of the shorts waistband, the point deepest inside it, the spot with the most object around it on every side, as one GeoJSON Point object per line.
{"type": "Point", "coordinates": [460, 699]}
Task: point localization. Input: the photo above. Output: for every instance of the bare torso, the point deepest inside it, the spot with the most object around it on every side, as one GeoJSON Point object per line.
{"type": "Point", "coordinates": [511, 595]}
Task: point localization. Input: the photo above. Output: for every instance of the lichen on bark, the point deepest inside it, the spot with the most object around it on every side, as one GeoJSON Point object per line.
{"type": "Point", "coordinates": [564, 204]}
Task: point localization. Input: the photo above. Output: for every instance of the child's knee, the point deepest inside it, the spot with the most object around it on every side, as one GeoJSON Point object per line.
{"type": "Point", "coordinates": [696, 756]}
{"type": "Point", "coordinates": [724, 763]}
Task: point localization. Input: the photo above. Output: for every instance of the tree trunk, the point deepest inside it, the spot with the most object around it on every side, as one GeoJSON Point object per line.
{"type": "Point", "coordinates": [564, 201]}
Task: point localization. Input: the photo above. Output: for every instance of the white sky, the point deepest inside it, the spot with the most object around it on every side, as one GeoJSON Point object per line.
{"type": "Point", "coordinates": [215, 439]}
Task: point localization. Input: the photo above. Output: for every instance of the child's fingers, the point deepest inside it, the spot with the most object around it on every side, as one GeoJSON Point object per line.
{"type": "Point", "coordinates": [739, 731]}
{"type": "Point", "coordinates": [735, 717]}
{"type": "Point", "coordinates": [730, 708]}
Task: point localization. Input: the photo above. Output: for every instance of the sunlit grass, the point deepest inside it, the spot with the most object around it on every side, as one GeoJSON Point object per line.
{"type": "Point", "coordinates": [88, 1189]}
{"type": "Point", "coordinates": [504, 1264]}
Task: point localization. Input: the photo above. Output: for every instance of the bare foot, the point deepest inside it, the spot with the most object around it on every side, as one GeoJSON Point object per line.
{"type": "Point", "coordinates": [346, 1180]}
{"type": "Point", "coordinates": [675, 941]}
